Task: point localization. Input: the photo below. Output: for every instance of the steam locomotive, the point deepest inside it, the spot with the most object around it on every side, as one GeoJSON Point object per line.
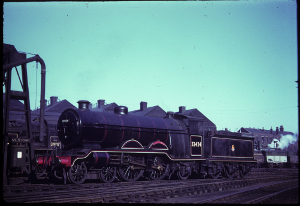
{"type": "Point", "coordinates": [102, 145]}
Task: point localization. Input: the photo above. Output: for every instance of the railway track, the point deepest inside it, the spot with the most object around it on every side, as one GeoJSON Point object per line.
{"type": "Point", "coordinates": [48, 193]}
{"type": "Point", "coordinates": [254, 195]}
{"type": "Point", "coordinates": [259, 171]}
{"type": "Point", "coordinates": [137, 192]}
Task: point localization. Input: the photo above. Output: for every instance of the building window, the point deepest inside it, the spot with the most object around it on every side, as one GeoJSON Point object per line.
{"type": "Point", "coordinates": [262, 139]}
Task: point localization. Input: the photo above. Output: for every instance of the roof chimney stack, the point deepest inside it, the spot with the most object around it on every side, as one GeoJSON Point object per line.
{"type": "Point", "coordinates": [281, 128]}
{"type": "Point", "coordinates": [143, 106]}
{"type": "Point", "coordinates": [101, 103]}
{"type": "Point", "coordinates": [181, 109]}
{"type": "Point", "coordinates": [271, 130]}
{"type": "Point", "coordinates": [53, 100]}
{"type": "Point", "coordinates": [277, 131]}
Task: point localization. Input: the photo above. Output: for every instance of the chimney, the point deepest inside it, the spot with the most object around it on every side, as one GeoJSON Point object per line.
{"type": "Point", "coordinates": [45, 102]}
{"type": "Point", "coordinates": [181, 109]}
{"type": "Point", "coordinates": [143, 106]}
{"type": "Point", "coordinates": [277, 131]}
{"type": "Point", "coordinates": [271, 130]}
{"type": "Point", "coordinates": [281, 128]}
{"type": "Point", "coordinates": [101, 103]}
{"type": "Point", "coordinates": [53, 100]}
{"type": "Point", "coordinates": [263, 129]}
{"type": "Point", "coordinates": [275, 145]}
{"type": "Point", "coordinates": [83, 104]}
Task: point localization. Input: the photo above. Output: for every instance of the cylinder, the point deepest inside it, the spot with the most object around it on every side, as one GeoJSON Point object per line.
{"type": "Point", "coordinates": [101, 158]}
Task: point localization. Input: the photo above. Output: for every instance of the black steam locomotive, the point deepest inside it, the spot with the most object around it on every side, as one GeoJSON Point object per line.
{"type": "Point", "coordinates": [102, 145]}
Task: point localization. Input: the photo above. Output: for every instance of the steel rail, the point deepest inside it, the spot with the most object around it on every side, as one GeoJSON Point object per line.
{"type": "Point", "coordinates": [123, 192]}
{"type": "Point", "coordinates": [267, 197]}
{"type": "Point", "coordinates": [240, 193]}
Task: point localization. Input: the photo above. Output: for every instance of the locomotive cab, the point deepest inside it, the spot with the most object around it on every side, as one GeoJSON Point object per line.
{"type": "Point", "coordinates": [200, 133]}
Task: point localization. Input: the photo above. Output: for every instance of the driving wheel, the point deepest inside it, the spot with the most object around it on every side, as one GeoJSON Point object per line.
{"type": "Point", "coordinates": [108, 174]}
{"type": "Point", "coordinates": [159, 169]}
{"type": "Point", "coordinates": [129, 174]}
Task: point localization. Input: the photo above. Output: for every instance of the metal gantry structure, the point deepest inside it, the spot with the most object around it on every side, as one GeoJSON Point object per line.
{"type": "Point", "coordinates": [14, 148]}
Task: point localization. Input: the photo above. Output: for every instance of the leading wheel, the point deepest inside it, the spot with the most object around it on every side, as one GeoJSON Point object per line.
{"type": "Point", "coordinates": [77, 173]}
{"type": "Point", "coordinates": [108, 174]}
{"type": "Point", "coordinates": [129, 174]}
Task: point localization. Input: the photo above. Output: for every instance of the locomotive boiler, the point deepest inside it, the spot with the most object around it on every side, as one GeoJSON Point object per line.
{"type": "Point", "coordinates": [83, 128]}
{"type": "Point", "coordinates": [102, 145]}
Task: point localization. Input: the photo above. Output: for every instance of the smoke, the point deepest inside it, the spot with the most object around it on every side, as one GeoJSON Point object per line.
{"type": "Point", "coordinates": [284, 142]}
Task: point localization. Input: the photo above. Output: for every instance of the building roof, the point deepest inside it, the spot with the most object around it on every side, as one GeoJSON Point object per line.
{"type": "Point", "coordinates": [105, 108]}
{"type": "Point", "coordinates": [279, 132]}
{"type": "Point", "coordinates": [194, 113]}
{"type": "Point", "coordinates": [155, 111]}
{"type": "Point", "coordinates": [263, 131]}
{"type": "Point", "coordinates": [53, 111]}
{"type": "Point", "coordinates": [251, 130]}
{"type": "Point", "coordinates": [14, 104]}
{"type": "Point", "coordinates": [16, 110]}
{"type": "Point", "coordinates": [59, 107]}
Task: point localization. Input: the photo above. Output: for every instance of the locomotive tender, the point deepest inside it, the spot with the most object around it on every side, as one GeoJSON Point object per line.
{"type": "Point", "coordinates": [102, 145]}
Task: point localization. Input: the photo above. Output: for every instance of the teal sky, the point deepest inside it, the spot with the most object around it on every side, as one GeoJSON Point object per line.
{"type": "Point", "coordinates": [235, 61]}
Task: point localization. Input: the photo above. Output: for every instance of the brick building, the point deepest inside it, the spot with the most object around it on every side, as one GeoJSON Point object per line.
{"type": "Point", "coordinates": [264, 137]}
